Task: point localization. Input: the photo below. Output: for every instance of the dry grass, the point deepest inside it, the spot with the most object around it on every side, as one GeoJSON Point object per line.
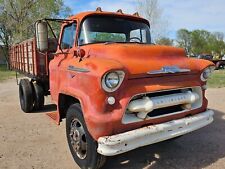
{"type": "Point", "coordinates": [5, 73]}
{"type": "Point", "coordinates": [217, 80]}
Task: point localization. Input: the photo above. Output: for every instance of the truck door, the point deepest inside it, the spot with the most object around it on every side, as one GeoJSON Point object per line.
{"type": "Point", "coordinates": [57, 68]}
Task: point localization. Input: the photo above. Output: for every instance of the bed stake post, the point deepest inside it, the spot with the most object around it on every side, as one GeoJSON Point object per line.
{"type": "Point", "coordinates": [17, 79]}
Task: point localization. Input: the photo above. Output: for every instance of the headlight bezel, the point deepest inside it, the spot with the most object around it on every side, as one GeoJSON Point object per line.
{"type": "Point", "coordinates": [206, 73]}
{"type": "Point", "coordinates": [106, 87]}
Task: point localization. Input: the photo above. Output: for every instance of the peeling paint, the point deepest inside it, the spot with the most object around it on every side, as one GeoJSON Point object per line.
{"type": "Point", "coordinates": [117, 144]}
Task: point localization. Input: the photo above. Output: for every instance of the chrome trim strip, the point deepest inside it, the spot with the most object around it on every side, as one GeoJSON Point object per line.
{"type": "Point", "coordinates": [168, 69]}
{"type": "Point", "coordinates": [77, 69]}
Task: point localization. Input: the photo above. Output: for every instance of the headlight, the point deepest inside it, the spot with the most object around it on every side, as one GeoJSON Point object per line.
{"type": "Point", "coordinates": [206, 73]}
{"type": "Point", "coordinates": [111, 81]}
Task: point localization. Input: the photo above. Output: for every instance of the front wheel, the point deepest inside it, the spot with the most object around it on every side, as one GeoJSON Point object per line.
{"type": "Point", "coordinates": [82, 146]}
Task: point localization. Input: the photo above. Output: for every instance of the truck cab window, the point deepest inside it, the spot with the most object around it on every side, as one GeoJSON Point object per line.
{"type": "Point", "coordinates": [104, 29]}
{"type": "Point", "coordinates": [138, 35]}
{"type": "Point", "coordinates": [68, 36]}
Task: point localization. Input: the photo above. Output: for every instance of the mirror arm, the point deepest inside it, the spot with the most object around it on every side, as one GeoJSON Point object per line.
{"type": "Point", "coordinates": [54, 36]}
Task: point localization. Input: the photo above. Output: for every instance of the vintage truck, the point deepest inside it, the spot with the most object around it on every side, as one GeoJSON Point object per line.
{"type": "Point", "coordinates": [117, 90]}
{"type": "Point", "coordinates": [219, 62]}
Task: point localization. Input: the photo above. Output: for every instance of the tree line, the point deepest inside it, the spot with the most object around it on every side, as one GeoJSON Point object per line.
{"type": "Point", "coordinates": [197, 42]}
{"type": "Point", "coordinates": [201, 41]}
{"type": "Point", "coordinates": [16, 17]}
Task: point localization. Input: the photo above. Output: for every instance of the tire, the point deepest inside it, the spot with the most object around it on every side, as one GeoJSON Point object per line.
{"type": "Point", "coordinates": [78, 138]}
{"type": "Point", "coordinates": [221, 66]}
{"type": "Point", "coordinates": [39, 98]}
{"type": "Point", "coordinates": [26, 95]}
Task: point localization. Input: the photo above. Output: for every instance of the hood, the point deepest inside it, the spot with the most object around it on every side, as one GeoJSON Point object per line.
{"type": "Point", "coordinates": [139, 59]}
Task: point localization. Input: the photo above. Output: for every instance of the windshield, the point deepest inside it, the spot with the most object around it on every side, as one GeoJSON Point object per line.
{"type": "Point", "coordinates": [113, 29]}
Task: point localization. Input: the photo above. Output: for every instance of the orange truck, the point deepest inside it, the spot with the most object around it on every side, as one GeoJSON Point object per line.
{"type": "Point", "coordinates": [117, 90]}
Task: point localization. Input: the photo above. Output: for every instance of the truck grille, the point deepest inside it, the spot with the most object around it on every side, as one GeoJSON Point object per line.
{"type": "Point", "coordinates": [165, 111]}
{"type": "Point", "coordinates": [163, 103]}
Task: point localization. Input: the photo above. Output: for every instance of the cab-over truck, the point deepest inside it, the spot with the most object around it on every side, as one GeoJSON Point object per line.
{"type": "Point", "coordinates": [117, 90]}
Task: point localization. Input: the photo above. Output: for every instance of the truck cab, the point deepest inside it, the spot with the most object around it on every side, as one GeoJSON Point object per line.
{"type": "Point", "coordinates": [118, 91]}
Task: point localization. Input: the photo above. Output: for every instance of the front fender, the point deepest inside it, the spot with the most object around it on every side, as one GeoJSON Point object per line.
{"type": "Point", "coordinates": [86, 87]}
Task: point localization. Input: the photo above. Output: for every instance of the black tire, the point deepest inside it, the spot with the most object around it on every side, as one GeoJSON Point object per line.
{"type": "Point", "coordinates": [221, 66]}
{"type": "Point", "coordinates": [26, 95]}
{"type": "Point", "coordinates": [88, 159]}
{"type": "Point", "coordinates": [39, 97]}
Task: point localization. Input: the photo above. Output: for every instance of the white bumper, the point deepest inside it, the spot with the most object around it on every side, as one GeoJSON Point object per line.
{"type": "Point", "coordinates": [120, 143]}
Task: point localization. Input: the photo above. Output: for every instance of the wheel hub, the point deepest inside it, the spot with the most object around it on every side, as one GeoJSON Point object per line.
{"type": "Point", "coordinates": [76, 135]}
{"type": "Point", "coordinates": [78, 138]}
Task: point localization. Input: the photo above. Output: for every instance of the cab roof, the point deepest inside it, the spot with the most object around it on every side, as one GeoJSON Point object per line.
{"type": "Point", "coordinates": [83, 15]}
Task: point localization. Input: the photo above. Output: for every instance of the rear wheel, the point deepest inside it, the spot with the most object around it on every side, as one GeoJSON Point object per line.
{"type": "Point", "coordinates": [39, 98]}
{"type": "Point", "coordinates": [82, 146]}
{"type": "Point", "coordinates": [26, 95]}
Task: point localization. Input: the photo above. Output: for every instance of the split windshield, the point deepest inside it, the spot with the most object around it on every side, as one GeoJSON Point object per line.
{"type": "Point", "coordinates": [113, 30]}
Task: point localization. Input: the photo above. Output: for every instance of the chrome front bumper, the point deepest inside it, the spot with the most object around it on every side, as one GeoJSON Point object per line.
{"type": "Point", "coordinates": [121, 143]}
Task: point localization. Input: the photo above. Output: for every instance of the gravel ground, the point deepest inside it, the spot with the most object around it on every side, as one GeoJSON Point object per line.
{"type": "Point", "coordinates": [32, 141]}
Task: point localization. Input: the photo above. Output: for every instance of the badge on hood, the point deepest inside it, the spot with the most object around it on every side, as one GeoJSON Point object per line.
{"type": "Point", "coordinates": [169, 69]}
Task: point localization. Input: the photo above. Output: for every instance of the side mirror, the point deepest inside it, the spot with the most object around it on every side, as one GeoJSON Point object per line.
{"type": "Point", "coordinates": [41, 35]}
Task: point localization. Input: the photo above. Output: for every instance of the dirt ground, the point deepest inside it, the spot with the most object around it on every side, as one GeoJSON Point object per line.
{"type": "Point", "coordinates": [33, 141]}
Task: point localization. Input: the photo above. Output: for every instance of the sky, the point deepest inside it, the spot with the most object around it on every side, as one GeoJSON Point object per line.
{"type": "Point", "coordinates": [189, 14]}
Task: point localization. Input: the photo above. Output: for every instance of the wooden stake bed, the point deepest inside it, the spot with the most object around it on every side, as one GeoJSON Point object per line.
{"type": "Point", "coordinates": [27, 60]}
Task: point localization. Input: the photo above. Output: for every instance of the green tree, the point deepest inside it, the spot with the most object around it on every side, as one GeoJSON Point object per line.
{"type": "Point", "coordinates": [206, 42]}
{"type": "Point", "coordinates": [184, 39]}
{"type": "Point", "coordinates": [217, 43]}
{"type": "Point", "coordinates": [200, 39]}
{"type": "Point", "coordinates": [17, 15]}
{"type": "Point", "coordinates": [165, 41]}
{"type": "Point", "coordinates": [5, 37]}
{"type": "Point", "coordinates": [201, 42]}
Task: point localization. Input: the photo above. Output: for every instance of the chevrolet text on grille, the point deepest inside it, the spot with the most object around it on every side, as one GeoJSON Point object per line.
{"type": "Point", "coordinates": [145, 105]}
